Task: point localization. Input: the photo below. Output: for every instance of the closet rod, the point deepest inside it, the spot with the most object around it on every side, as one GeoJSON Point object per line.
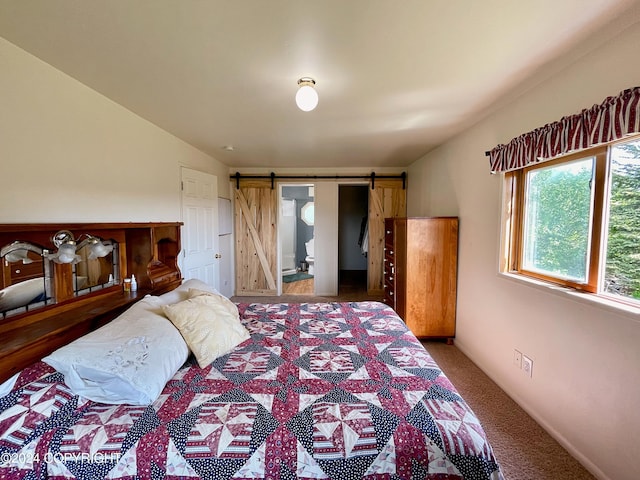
{"type": "Point", "coordinates": [273, 176]}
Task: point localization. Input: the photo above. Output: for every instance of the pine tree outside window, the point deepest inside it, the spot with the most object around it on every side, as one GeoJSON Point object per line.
{"type": "Point", "coordinates": [575, 221]}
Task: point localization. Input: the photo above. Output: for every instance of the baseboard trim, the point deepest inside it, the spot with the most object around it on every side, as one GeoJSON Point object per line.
{"type": "Point", "coordinates": [562, 440]}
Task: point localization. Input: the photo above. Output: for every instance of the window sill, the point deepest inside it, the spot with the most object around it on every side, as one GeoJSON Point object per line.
{"type": "Point", "coordinates": [586, 298]}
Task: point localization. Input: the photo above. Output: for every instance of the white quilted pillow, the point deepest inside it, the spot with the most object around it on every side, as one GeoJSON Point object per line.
{"type": "Point", "coordinates": [127, 361]}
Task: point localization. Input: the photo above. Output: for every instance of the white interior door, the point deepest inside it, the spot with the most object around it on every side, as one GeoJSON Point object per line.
{"type": "Point", "coordinates": [200, 231]}
{"type": "Point", "coordinates": [226, 265]}
{"type": "Point", "coordinates": [225, 244]}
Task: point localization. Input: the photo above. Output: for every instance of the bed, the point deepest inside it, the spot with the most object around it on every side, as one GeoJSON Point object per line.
{"type": "Point", "coordinates": [316, 390]}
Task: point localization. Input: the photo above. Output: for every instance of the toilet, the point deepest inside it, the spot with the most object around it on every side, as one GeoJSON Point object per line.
{"type": "Point", "coordinates": [310, 259]}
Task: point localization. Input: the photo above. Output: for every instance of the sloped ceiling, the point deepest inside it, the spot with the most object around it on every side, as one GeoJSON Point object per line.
{"type": "Point", "coordinates": [395, 78]}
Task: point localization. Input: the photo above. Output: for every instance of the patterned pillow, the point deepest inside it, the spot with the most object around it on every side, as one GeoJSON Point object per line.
{"type": "Point", "coordinates": [209, 323]}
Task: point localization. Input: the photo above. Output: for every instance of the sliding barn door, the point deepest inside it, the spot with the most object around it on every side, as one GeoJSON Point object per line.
{"type": "Point", "coordinates": [387, 199]}
{"type": "Point", "coordinates": [256, 238]}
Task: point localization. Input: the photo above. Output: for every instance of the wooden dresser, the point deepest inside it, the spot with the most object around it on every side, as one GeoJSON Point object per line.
{"type": "Point", "coordinates": [420, 273]}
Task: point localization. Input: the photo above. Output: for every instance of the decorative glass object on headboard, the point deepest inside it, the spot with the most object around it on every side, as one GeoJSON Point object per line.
{"type": "Point", "coordinates": [97, 267]}
{"type": "Point", "coordinates": [26, 279]}
{"type": "Point", "coordinates": [95, 261]}
{"type": "Point", "coordinates": [29, 279]}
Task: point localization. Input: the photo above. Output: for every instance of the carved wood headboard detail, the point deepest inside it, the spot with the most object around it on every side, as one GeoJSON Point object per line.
{"type": "Point", "coordinates": [147, 250]}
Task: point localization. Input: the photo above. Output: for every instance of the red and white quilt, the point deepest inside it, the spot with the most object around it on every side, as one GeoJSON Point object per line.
{"type": "Point", "coordinates": [320, 391]}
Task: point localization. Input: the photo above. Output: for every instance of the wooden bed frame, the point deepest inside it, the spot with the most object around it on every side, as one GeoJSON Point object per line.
{"type": "Point", "coordinates": [147, 250]}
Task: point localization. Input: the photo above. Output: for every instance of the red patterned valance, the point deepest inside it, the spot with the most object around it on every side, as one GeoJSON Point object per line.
{"type": "Point", "coordinates": [611, 120]}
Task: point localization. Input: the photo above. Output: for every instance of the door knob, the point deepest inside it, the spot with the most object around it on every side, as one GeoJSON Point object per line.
{"type": "Point", "coordinates": [218, 255]}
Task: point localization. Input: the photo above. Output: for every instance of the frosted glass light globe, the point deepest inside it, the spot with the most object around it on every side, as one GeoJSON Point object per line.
{"type": "Point", "coordinates": [306, 98]}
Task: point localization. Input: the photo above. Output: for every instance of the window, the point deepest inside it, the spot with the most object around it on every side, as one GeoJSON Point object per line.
{"type": "Point", "coordinates": [622, 266]}
{"type": "Point", "coordinates": [575, 221]}
{"type": "Point", "coordinates": [308, 213]}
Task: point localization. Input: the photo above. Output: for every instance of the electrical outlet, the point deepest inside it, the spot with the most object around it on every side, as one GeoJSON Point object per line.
{"type": "Point", "coordinates": [517, 358]}
{"type": "Point", "coordinates": [527, 366]}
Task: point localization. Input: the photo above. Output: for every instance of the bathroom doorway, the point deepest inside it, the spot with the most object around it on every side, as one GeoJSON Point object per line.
{"type": "Point", "coordinates": [353, 215]}
{"type": "Point", "coordinates": [296, 239]}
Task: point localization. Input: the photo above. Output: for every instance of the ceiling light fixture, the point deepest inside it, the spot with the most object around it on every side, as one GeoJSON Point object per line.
{"type": "Point", "coordinates": [306, 97]}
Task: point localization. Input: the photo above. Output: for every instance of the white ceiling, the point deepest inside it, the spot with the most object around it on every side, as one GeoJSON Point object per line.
{"type": "Point", "coordinates": [395, 78]}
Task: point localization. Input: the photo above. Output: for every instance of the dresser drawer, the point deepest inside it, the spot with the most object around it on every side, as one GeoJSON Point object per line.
{"type": "Point", "coordinates": [389, 298]}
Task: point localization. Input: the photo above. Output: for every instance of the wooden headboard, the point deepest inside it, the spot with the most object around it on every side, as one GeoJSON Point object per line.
{"type": "Point", "coordinates": [147, 250]}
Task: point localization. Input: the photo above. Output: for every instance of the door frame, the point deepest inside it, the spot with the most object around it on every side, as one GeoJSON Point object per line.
{"type": "Point", "coordinates": [282, 185]}
{"type": "Point", "coordinates": [365, 186]}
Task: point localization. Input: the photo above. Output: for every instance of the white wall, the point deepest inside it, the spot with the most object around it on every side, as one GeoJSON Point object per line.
{"type": "Point", "coordinates": [326, 238]}
{"type": "Point", "coordinates": [586, 377]}
{"type": "Point", "coordinates": [68, 154]}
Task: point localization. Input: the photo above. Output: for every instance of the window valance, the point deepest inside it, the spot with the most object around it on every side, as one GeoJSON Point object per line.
{"type": "Point", "coordinates": [613, 119]}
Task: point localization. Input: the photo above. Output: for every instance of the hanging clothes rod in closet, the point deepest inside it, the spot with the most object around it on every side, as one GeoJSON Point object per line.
{"type": "Point", "coordinates": [372, 176]}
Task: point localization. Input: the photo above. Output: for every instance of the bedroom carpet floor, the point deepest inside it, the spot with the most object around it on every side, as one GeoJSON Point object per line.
{"type": "Point", "coordinates": [523, 448]}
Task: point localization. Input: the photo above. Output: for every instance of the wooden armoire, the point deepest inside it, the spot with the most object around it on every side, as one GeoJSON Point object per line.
{"type": "Point", "coordinates": [420, 273]}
